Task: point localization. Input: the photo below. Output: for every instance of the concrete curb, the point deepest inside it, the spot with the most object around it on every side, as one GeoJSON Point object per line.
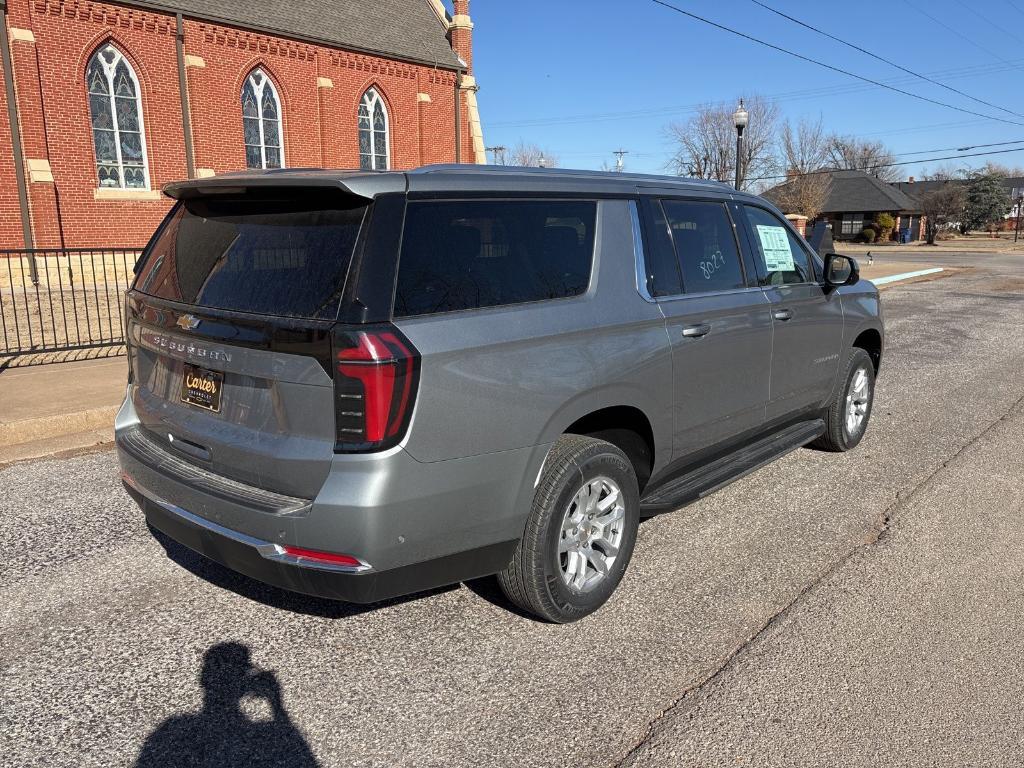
{"type": "Point", "coordinates": [907, 281]}
{"type": "Point", "coordinates": [58, 447]}
{"type": "Point", "coordinates": [906, 275]}
{"type": "Point", "coordinates": [31, 430]}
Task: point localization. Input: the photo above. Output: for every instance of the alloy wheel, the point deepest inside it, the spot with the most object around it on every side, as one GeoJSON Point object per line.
{"type": "Point", "coordinates": [591, 534]}
{"type": "Point", "coordinates": [858, 399]}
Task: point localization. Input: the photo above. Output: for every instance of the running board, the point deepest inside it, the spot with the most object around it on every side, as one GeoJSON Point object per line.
{"type": "Point", "coordinates": [719, 473]}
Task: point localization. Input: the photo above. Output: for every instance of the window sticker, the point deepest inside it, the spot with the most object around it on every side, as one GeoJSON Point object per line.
{"type": "Point", "coordinates": [775, 244]}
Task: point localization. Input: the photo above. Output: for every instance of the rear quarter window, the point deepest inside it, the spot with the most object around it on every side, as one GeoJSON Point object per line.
{"type": "Point", "coordinates": [470, 254]}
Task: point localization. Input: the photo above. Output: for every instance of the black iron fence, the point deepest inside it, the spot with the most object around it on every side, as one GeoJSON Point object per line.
{"type": "Point", "coordinates": [53, 300]}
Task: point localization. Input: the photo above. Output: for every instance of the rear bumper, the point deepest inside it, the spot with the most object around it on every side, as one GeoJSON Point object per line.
{"type": "Point", "coordinates": [414, 525]}
{"type": "Point", "coordinates": [263, 561]}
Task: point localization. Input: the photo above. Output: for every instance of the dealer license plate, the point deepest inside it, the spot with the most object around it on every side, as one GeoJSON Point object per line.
{"type": "Point", "coordinates": [201, 387]}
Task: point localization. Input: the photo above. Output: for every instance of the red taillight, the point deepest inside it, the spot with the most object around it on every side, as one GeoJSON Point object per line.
{"type": "Point", "coordinates": [374, 382]}
{"type": "Point", "coordinates": [323, 557]}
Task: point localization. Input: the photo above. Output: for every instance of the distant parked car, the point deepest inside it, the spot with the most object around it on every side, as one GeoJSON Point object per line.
{"type": "Point", "coordinates": [361, 385]}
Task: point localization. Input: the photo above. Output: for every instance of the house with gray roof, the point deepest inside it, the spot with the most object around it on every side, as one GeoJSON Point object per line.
{"type": "Point", "coordinates": [1014, 186]}
{"type": "Point", "coordinates": [855, 198]}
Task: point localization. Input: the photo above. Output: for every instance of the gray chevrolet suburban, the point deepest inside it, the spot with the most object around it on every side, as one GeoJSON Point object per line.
{"type": "Point", "coordinates": [360, 385]}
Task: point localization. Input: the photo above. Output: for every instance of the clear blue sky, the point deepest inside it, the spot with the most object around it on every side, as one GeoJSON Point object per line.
{"type": "Point", "coordinates": [561, 73]}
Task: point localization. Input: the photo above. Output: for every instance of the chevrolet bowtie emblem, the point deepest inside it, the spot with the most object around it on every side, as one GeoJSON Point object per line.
{"type": "Point", "coordinates": [188, 322]}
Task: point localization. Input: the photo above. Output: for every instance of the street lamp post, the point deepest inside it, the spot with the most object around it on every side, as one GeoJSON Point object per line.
{"type": "Point", "coordinates": [739, 119]}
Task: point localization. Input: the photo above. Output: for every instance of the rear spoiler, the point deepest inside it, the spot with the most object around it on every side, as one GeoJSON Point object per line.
{"type": "Point", "coordinates": [365, 185]}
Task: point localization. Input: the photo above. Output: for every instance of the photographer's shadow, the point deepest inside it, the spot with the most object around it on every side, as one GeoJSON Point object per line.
{"type": "Point", "coordinates": [222, 734]}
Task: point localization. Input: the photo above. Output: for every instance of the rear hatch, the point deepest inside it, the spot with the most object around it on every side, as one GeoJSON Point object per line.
{"type": "Point", "coordinates": [230, 331]}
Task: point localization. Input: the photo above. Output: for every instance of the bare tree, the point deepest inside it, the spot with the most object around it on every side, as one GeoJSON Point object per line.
{"type": "Point", "coordinates": [804, 194]}
{"type": "Point", "coordinates": [998, 169]}
{"type": "Point", "coordinates": [943, 206]}
{"type": "Point", "coordinates": [804, 148]}
{"type": "Point", "coordinates": [706, 143]}
{"type": "Point", "coordinates": [532, 156]}
{"type": "Point", "coordinates": [804, 153]}
{"type": "Point", "coordinates": [850, 153]}
{"type": "Point", "coordinates": [946, 172]}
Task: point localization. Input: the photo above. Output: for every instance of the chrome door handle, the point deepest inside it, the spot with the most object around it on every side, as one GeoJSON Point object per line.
{"type": "Point", "coordinates": [782, 314]}
{"type": "Point", "coordinates": [696, 331]}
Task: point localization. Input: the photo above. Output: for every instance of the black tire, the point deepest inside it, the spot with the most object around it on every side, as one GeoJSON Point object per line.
{"type": "Point", "coordinates": [838, 437]}
{"type": "Point", "coordinates": [534, 579]}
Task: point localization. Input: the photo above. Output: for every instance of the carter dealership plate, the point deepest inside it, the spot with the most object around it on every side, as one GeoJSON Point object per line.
{"type": "Point", "coordinates": [201, 388]}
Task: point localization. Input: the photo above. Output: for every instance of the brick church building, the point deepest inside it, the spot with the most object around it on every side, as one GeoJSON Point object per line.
{"type": "Point", "coordinates": [105, 102]}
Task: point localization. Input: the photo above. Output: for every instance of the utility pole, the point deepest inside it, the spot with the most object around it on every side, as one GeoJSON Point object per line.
{"type": "Point", "coordinates": [1016, 231]}
{"type": "Point", "coordinates": [498, 151]}
{"type": "Point", "coordinates": [618, 159]}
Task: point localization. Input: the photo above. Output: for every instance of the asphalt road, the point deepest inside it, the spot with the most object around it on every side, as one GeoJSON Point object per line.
{"type": "Point", "coordinates": [853, 609]}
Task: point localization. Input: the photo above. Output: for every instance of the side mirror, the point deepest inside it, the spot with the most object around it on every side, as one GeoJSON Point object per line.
{"type": "Point", "coordinates": [841, 270]}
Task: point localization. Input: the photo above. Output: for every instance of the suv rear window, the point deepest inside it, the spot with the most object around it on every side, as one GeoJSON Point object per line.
{"type": "Point", "coordinates": [286, 256]}
{"type": "Point", "coordinates": [487, 253]}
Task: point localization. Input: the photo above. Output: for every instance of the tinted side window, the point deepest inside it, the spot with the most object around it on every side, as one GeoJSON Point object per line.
{"type": "Point", "coordinates": [660, 260]}
{"type": "Point", "coordinates": [488, 253]}
{"type": "Point", "coordinates": [781, 253]}
{"type": "Point", "coordinates": [705, 246]}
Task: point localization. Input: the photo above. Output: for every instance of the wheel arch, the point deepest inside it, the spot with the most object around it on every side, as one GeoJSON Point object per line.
{"type": "Point", "coordinates": [870, 340]}
{"type": "Point", "coordinates": [622, 416]}
{"type": "Point", "coordinates": [627, 428]}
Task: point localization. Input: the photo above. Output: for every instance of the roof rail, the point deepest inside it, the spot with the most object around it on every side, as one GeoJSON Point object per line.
{"type": "Point", "coordinates": [564, 173]}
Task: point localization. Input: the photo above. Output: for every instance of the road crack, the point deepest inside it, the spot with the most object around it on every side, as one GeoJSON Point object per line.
{"type": "Point", "coordinates": [876, 534]}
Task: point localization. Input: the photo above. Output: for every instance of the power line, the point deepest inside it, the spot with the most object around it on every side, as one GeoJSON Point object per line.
{"type": "Point", "coordinates": [598, 153]}
{"type": "Point", "coordinates": [885, 60]}
{"type": "Point", "coordinates": [918, 152]}
{"type": "Point", "coordinates": [797, 95]}
{"type": "Point", "coordinates": [888, 165]}
{"type": "Point", "coordinates": [959, 34]}
{"type": "Point", "coordinates": [987, 20]}
{"type": "Point", "coordinates": [960, 149]}
{"type": "Point", "coordinates": [808, 59]}
{"type": "Point", "coordinates": [927, 127]}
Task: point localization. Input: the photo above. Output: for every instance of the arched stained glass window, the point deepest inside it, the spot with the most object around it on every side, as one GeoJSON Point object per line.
{"type": "Point", "coordinates": [115, 103]}
{"type": "Point", "coordinates": [261, 121]}
{"type": "Point", "coordinates": [373, 132]}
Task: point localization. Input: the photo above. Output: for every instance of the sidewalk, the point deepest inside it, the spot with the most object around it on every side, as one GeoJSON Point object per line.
{"type": "Point", "coordinates": [49, 409]}
{"type": "Point", "coordinates": [969, 244]}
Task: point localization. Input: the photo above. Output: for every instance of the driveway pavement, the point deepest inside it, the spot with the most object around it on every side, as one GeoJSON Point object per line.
{"type": "Point", "coordinates": [908, 653]}
{"type": "Point", "coordinates": [866, 602]}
